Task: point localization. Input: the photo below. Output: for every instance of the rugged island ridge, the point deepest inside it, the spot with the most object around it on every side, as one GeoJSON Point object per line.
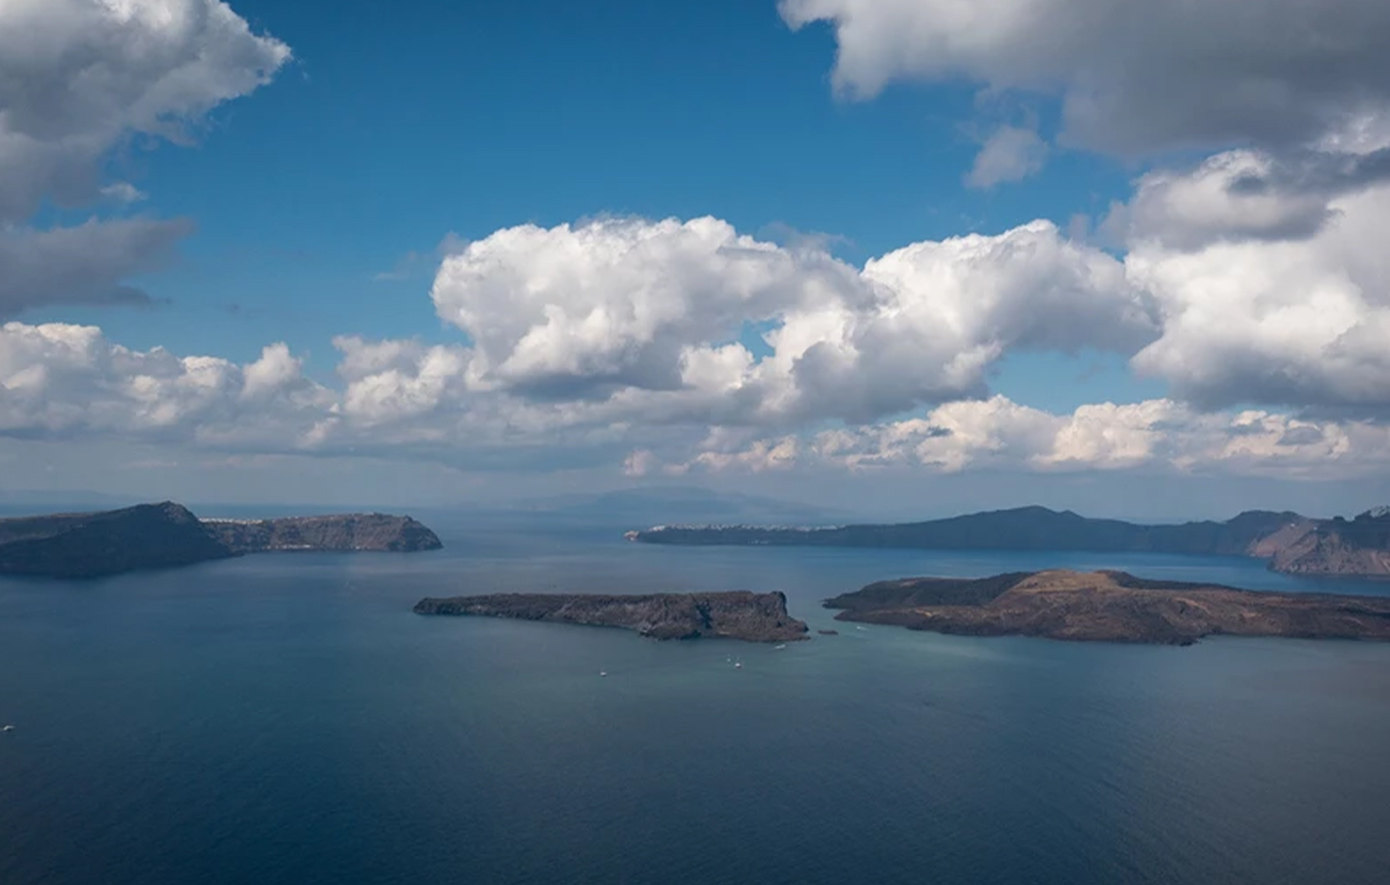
{"type": "Point", "coordinates": [1290, 542]}
{"type": "Point", "coordinates": [755, 617]}
{"type": "Point", "coordinates": [89, 545]}
{"type": "Point", "coordinates": [1110, 607]}
{"type": "Point", "coordinates": [348, 532]}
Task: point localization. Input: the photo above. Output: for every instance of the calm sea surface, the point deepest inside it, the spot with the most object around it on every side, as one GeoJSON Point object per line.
{"type": "Point", "coordinates": [286, 719]}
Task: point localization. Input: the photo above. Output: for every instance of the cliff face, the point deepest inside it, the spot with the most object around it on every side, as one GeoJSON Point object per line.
{"type": "Point", "coordinates": [1110, 607]}
{"type": "Point", "coordinates": [351, 532]}
{"type": "Point", "coordinates": [756, 617]}
{"type": "Point", "coordinates": [88, 545]}
{"type": "Point", "coordinates": [1334, 547]}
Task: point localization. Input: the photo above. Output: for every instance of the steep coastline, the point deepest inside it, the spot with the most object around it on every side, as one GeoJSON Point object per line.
{"type": "Point", "coordinates": [166, 535]}
{"type": "Point", "coordinates": [88, 545]}
{"type": "Point", "coordinates": [1109, 607]}
{"type": "Point", "coordinates": [753, 617]}
{"type": "Point", "coordinates": [1290, 542]}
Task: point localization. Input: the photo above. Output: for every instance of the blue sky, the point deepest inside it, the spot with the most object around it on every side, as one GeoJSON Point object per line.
{"type": "Point", "coordinates": [394, 128]}
{"type": "Point", "coordinates": [335, 154]}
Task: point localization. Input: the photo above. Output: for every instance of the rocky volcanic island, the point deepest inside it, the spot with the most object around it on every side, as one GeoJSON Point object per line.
{"type": "Point", "coordinates": [90, 545]}
{"type": "Point", "coordinates": [754, 617]}
{"type": "Point", "coordinates": [1109, 607]}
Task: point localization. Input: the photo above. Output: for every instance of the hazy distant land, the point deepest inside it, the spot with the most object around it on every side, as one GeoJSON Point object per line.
{"type": "Point", "coordinates": [1291, 542]}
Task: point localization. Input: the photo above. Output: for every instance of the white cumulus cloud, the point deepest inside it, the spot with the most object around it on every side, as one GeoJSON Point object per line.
{"type": "Point", "coordinates": [1295, 321]}
{"type": "Point", "coordinates": [1133, 77]}
{"type": "Point", "coordinates": [647, 315]}
{"type": "Point", "coordinates": [65, 381]}
{"type": "Point", "coordinates": [78, 76]}
{"type": "Point", "coordinates": [998, 434]}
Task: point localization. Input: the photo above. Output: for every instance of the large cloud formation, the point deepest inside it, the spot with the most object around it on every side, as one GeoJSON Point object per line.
{"type": "Point", "coordinates": [79, 78]}
{"type": "Point", "coordinates": [680, 345]}
{"type": "Point", "coordinates": [61, 381]}
{"type": "Point", "coordinates": [1262, 262]}
{"type": "Point", "coordinates": [1000, 434]}
{"type": "Point", "coordinates": [627, 308]}
{"type": "Point", "coordinates": [1273, 283]}
{"type": "Point", "coordinates": [1133, 78]}
{"type": "Point", "coordinates": [1256, 276]}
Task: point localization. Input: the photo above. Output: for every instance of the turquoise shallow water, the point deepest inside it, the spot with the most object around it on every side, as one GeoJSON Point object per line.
{"type": "Point", "coordinates": [286, 719]}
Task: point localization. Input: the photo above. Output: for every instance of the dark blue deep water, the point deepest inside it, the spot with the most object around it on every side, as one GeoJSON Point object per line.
{"type": "Point", "coordinates": [286, 719]}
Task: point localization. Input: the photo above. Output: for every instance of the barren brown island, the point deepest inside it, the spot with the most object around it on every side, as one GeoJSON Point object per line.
{"type": "Point", "coordinates": [1109, 607]}
{"type": "Point", "coordinates": [753, 617]}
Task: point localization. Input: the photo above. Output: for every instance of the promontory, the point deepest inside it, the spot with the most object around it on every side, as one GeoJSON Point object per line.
{"type": "Point", "coordinates": [90, 545]}
{"type": "Point", "coordinates": [1109, 606]}
{"type": "Point", "coordinates": [739, 614]}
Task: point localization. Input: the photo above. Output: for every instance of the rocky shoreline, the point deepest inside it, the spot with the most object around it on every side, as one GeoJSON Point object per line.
{"type": "Point", "coordinates": [752, 617]}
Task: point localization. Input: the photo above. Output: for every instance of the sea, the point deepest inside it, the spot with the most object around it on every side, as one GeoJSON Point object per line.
{"type": "Point", "coordinates": [285, 718]}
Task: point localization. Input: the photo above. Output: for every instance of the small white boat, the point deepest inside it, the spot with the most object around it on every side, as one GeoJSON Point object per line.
{"type": "Point", "coordinates": [603, 672]}
{"type": "Point", "coordinates": [7, 728]}
{"type": "Point", "coordinates": [738, 664]}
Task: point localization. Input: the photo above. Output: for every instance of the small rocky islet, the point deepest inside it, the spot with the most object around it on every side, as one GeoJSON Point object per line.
{"type": "Point", "coordinates": [737, 614]}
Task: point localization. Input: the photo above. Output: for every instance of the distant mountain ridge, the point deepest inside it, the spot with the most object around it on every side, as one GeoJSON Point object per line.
{"type": "Point", "coordinates": [1292, 542]}
{"type": "Point", "coordinates": [165, 535]}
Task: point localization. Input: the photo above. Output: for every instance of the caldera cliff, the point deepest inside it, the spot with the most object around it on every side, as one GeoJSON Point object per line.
{"type": "Point", "coordinates": [754, 617]}
{"type": "Point", "coordinates": [89, 545]}
{"type": "Point", "coordinates": [1289, 542]}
